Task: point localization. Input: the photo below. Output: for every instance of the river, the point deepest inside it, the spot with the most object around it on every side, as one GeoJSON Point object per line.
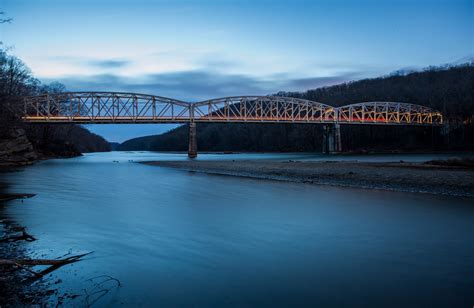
{"type": "Point", "coordinates": [187, 239]}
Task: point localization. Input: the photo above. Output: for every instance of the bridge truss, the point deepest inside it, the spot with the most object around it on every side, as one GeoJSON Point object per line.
{"type": "Point", "coordinates": [104, 107]}
{"type": "Point", "coordinates": [117, 107]}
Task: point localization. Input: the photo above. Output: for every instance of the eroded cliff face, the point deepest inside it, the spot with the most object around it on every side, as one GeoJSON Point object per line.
{"type": "Point", "coordinates": [15, 148]}
{"type": "Point", "coordinates": [23, 145]}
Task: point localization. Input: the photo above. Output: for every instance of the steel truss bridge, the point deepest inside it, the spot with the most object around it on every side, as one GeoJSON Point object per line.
{"type": "Point", "coordinates": [118, 107]}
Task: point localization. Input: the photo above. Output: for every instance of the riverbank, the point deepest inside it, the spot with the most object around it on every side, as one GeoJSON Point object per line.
{"type": "Point", "coordinates": [14, 288]}
{"type": "Point", "coordinates": [21, 284]}
{"type": "Point", "coordinates": [401, 176]}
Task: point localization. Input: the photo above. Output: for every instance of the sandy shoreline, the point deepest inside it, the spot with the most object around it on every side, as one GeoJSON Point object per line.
{"type": "Point", "coordinates": [408, 177]}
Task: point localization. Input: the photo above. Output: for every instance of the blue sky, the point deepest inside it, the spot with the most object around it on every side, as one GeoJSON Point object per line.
{"type": "Point", "coordinates": [193, 50]}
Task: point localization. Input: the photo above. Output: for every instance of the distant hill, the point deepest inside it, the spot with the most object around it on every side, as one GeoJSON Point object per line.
{"type": "Point", "coordinates": [50, 139]}
{"type": "Point", "coordinates": [448, 89]}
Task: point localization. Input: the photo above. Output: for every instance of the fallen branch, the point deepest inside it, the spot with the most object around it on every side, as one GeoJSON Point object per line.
{"type": "Point", "coordinates": [68, 260]}
{"type": "Point", "coordinates": [53, 264]}
{"type": "Point", "coordinates": [37, 275]}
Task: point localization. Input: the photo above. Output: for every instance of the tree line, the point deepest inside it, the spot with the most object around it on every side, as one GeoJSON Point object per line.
{"type": "Point", "coordinates": [449, 89]}
{"type": "Point", "coordinates": [16, 82]}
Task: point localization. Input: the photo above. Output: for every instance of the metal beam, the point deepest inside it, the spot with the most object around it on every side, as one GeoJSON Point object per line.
{"type": "Point", "coordinates": [119, 107]}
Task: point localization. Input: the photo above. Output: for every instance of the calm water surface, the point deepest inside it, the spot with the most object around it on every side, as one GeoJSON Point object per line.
{"type": "Point", "coordinates": [178, 238]}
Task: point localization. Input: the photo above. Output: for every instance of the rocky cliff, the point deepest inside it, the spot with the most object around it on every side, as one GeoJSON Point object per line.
{"type": "Point", "coordinates": [23, 144]}
{"type": "Point", "coordinates": [15, 148]}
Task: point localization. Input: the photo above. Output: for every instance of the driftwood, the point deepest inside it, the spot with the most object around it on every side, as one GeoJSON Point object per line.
{"type": "Point", "coordinates": [53, 264]}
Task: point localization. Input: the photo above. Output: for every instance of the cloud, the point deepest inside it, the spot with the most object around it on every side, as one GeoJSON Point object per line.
{"type": "Point", "coordinates": [216, 62]}
{"type": "Point", "coordinates": [197, 85]}
{"type": "Point", "coordinates": [317, 82]}
{"type": "Point", "coordinates": [97, 63]}
{"type": "Point", "coordinates": [108, 63]}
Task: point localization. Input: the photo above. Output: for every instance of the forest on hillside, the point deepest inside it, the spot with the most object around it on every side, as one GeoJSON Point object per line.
{"type": "Point", "coordinates": [18, 139]}
{"type": "Point", "coordinates": [447, 89]}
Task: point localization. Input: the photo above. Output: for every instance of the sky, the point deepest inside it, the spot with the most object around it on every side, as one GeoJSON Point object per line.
{"type": "Point", "coordinates": [194, 50]}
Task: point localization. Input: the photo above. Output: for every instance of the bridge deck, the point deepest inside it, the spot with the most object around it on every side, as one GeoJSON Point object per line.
{"type": "Point", "coordinates": [164, 120]}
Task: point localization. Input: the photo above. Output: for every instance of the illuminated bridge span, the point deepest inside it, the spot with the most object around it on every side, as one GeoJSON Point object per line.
{"type": "Point", "coordinates": [116, 107]}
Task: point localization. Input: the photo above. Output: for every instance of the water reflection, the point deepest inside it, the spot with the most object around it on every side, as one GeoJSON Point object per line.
{"type": "Point", "coordinates": [179, 238]}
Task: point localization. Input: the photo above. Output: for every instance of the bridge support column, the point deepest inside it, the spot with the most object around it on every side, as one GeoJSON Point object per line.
{"type": "Point", "coordinates": [332, 138]}
{"type": "Point", "coordinates": [192, 149]}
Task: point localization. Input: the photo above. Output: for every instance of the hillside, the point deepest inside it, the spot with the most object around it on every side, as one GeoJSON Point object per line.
{"type": "Point", "coordinates": [21, 143]}
{"type": "Point", "coordinates": [448, 89]}
{"type": "Point", "coordinates": [74, 136]}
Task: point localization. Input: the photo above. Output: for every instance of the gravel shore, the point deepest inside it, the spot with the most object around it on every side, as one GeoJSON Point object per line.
{"type": "Point", "coordinates": [408, 177]}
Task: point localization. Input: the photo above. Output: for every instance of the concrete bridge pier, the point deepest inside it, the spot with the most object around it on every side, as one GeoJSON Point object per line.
{"type": "Point", "coordinates": [332, 138]}
{"type": "Point", "coordinates": [192, 149]}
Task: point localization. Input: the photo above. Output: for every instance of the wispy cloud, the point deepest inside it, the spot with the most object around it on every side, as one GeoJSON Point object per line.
{"type": "Point", "coordinates": [198, 85]}
{"type": "Point", "coordinates": [108, 63]}
{"type": "Point", "coordinates": [92, 62]}
{"type": "Point", "coordinates": [317, 82]}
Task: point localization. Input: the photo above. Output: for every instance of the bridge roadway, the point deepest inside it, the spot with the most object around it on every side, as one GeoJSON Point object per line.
{"type": "Point", "coordinates": [119, 107]}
